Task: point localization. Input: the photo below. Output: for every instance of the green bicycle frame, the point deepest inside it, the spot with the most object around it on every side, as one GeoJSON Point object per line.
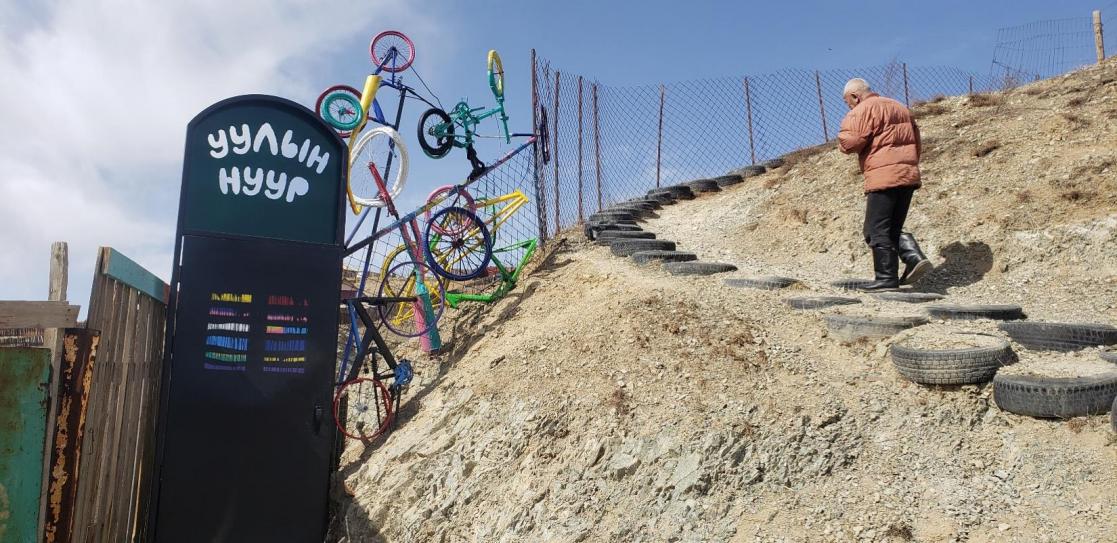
{"type": "Point", "coordinates": [468, 118]}
{"type": "Point", "coordinates": [508, 277]}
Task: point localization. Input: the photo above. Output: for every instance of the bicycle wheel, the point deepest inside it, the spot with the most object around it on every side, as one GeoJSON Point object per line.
{"type": "Point", "coordinates": [400, 282]}
{"type": "Point", "coordinates": [458, 257]}
{"type": "Point", "coordinates": [436, 133]}
{"type": "Point", "coordinates": [381, 47]}
{"type": "Point", "coordinates": [372, 151]}
{"type": "Point", "coordinates": [496, 74]}
{"type": "Point", "coordinates": [340, 106]}
{"type": "Point", "coordinates": [449, 196]}
{"type": "Point", "coordinates": [363, 409]}
{"type": "Point", "coordinates": [544, 133]}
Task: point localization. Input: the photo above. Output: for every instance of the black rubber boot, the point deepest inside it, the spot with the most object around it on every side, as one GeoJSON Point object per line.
{"type": "Point", "coordinates": [886, 263]}
{"type": "Point", "coordinates": [916, 264]}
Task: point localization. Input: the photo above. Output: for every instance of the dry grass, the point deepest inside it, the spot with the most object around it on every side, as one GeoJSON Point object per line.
{"type": "Point", "coordinates": [985, 100]}
{"type": "Point", "coordinates": [795, 157]}
{"type": "Point", "coordinates": [932, 100]}
{"type": "Point", "coordinates": [1076, 195]}
{"type": "Point", "coordinates": [1077, 120]}
{"type": "Point", "coordinates": [795, 215]}
{"type": "Point", "coordinates": [1076, 425]}
{"type": "Point", "coordinates": [929, 110]}
{"type": "Point", "coordinates": [986, 148]}
{"type": "Point", "coordinates": [1024, 196]}
{"type": "Point", "coordinates": [902, 531]}
{"type": "Point", "coordinates": [772, 182]}
{"type": "Point", "coordinates": [619, 402]}
{"type": "Point", "coordinates": [1033, 91]}
{"type": "Point", "coordinates": [1077, 101]}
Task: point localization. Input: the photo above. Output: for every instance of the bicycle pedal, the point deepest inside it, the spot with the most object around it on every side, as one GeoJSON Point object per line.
{"type": "Point", "coordinates": [403, 374]}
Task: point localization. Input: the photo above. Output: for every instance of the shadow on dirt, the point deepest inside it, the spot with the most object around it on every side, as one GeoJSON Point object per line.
{"type": "Point", "coordinates": [964, 264]}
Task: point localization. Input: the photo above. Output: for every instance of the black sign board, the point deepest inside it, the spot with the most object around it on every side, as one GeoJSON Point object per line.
{"type": "Point", "coordinates": [245, 430]}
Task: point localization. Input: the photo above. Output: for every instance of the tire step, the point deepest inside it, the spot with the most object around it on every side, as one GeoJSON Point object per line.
{"type": "Point", "coordinates": [698, 268]}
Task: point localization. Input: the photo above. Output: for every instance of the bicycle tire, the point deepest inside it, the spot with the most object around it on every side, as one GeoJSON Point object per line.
{"type": "Point", "coordinates": [324, 108]}
{"type": "Point", "coordinates": [382, 43]}
{"type": "Point", "coordinates": [544, 134]}
{"type": "Point", "coordinates": [435, 147]}
{"type": "Point", "coordinates": [446, 260]}
{"type": "Point", "coordinates": [356, 401]}
{"type": "Point", "coordinates": [496, 74]}
{"type": "Point", "coordinates": [462, 199]}
{"type": "Point", "coordinates": [359, 178]}
{"type": "Point", "coordinates": [400, 283]}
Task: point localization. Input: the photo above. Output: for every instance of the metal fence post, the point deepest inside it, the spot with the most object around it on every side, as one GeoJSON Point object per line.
{"type": "Point", "coordinates": [971, 85]}
{"type": "Point", "coordinates": [659, 141]}
{"type": "Point", "coordinates": [554, 155]}
{"type": "Point", "coordinates": [597, 147]}
{"type": "Point", "coordinates": [537, 167]}
{"type": "Point", "coordinates": [907, 98]}
{"type": "Point", "coordinates": [1099, 42]}
{"type": "Point", "coordinates": [579, 148]}
{"type": "Point", "coordinates": [748, 111]}
{"type": "Point", "coordinates": [821, 108]}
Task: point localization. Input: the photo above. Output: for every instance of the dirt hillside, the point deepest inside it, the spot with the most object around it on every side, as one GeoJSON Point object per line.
{"type": "Point", "coordinates": [605, 401]}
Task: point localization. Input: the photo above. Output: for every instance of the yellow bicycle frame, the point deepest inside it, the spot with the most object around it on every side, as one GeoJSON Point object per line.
{"type": "Point", "coordinates": [372, 84]}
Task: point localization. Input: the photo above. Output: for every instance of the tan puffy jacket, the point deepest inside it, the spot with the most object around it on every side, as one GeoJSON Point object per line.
{"type": "Point", "coordinates": [885, 137]}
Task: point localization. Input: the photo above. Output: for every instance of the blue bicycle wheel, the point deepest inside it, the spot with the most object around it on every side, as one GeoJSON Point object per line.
{"type": "Point", "coordinates": [460, 248]}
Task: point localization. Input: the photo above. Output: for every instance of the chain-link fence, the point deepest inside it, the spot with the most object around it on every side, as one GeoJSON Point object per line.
{"type": "Point", "coordinates": [1043, 49]}
{"type": "Point", "coordinates": [607, 144]}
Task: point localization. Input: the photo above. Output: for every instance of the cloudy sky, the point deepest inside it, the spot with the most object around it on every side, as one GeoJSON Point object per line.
{"type": "Point", "coordinates": [97, 93]}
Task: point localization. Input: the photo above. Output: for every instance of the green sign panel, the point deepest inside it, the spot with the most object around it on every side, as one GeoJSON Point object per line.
{"type": "Point", "coordinates": [260, 166]}
{"type": "Point", "coordinates": [24, 374]}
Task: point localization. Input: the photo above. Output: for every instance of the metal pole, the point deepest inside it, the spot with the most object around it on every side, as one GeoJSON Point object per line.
{"type": "Point", "coordinates": [579, 148]}
{"type": "Point", "coordinates": [659, 141]}
{"type": "Point", "coordinates": [554, 155]}
{"type": "Point", "coordinates": [907, 98]}
{"type": "Point", "coordinates": [971, 85]}
{"type": "Point", "coordinates": [821, 108]}
{"type": "Point", "coordinates": [1099, 42]}
{"type": "Point", "coordinates": [597, 147]}
{"type": "Point", "coordinates": [748, 111]}
{"type": "Point", "coordinates": [540, 212]}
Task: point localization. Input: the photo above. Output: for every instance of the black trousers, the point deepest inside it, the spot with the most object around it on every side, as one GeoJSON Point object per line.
{"type": "Point", "coordinates": [885, 213]}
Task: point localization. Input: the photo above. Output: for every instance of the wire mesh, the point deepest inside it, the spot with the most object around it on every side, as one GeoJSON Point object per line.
{"type": "Point", "coordinates": [1043, 49]}
{"type": "Point", "coordinates": [664, 134]}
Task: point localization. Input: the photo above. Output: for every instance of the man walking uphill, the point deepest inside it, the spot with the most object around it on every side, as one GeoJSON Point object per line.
{"type": "Point", "coordinates": [885, 137]}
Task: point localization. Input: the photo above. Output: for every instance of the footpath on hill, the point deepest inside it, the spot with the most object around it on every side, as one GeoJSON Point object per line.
{"type": "Point", "coordinates": [605, 400]}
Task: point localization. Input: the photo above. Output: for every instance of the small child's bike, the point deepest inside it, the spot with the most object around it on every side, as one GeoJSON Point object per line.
{"type": "Point", "coordinates": [440, 132]}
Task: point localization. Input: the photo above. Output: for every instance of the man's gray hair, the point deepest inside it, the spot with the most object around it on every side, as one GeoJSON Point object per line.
{"type": "Point", "coordinates": [856, 85]}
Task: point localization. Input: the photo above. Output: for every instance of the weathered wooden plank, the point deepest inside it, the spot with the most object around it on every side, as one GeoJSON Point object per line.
{"type": "Point", "coordinates": [32, 314]}
{"type": "Point", "coordinates": [121, 416]}
{"type": "Point", "coordinates": [78, 359]}
{"type": "Point", "coordinates": [52, 339]}
{"type": "Point", "coordinates": [154, 378]}
{"type": "Point", "coordinates": [130, 273]}
{"type": "Point", "coordinates": [99, 307]}
{"type": "Point", "coordinates": [24, 376]}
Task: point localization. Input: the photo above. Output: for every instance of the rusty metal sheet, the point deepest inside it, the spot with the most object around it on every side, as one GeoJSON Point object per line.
{"type": "Point", "coordinates": [24, 380]}
{"type": "Point", "coordinates": [79, 351]}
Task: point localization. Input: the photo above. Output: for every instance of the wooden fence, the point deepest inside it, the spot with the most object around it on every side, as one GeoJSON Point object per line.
{"type": "Point", "coordinates": [128, 305]}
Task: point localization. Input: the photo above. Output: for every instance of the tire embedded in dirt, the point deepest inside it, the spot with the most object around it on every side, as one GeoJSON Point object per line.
{"type": "Point", "coordinates": [1055, 397]}
{"type": "Point", "coordinates": [752, 171]}
{"type": "Point", "coordinates": [852, 328]}
{"type": "Point", "coordinates": [1057, 336]}
{"type": "Point", "coordinates": [952, 366]}
{"type": "Point", "coordinates": [649, 257]}
{"type": "Point", "coordinates": [625, 247]}
{"type": "Point", "coordinates": [773, 164]}
{"type": "Point", "coordinates": [664, 198]}
{"type": "Point", "coordinates": [1109, 356]}
{"type": "Point", "coordinates": [704, 185]}
{"type": "Point", "coordinates": [819, 302]}
{"type": "Point", "coordinates": [608, 216]}
{"type": "Point", "coordinates": [728, 180]}
{"type": "Point", "coordinates": [636, 211]}
{"type": "Point", "coordinates": [605, 237]}
{"type": "Point", "coordinates": [649, 202]}
{"type": "Point", "coordinates": [763, 283]}
{"type": "Point", "coordinates": [680, 192]}
{"type": "Point", "coordinates": [908, 297]}
{"type": "Point", "coordinates": [698, 268]}
{"type": "Point", "coordinates": [851, 284]}
{"type": "Point", "coordinates": [975, 312]}
{"type": "Point", "coordinates": [1113, 416]}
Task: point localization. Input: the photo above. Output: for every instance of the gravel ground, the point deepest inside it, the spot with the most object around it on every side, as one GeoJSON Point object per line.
{"type": "Point", "coordinates": [605, 401]}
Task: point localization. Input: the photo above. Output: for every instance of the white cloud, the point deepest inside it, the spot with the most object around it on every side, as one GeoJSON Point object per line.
{"type": "Point", "coordinates": [95, 100]}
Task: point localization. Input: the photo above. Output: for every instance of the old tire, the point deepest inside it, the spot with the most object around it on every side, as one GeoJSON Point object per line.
{"type": "Point", "coordinates": [728, 180]}
{"type": "Point", "coordinates": [753, 171]}
{"type": "Point", "coordinates": [773, 164]}
{"type": "Point", "coordinates": [698, 268]}
{"type": "Point", "coordinates": [908, 297]}
{"type": "Point", "coordinates": [648, 202]}
{"type": "Point", "coordinates": [762, 283]}
{"type": "Point", "coordinates": [1055, 397]}
{"type": "Point", "coordinates": [650, 257]}
{"type": "Point", "coordinates": [664, 198]}
{"type": "Point", "coordinates": [610, 216]}
{"type": "Point", "coordinates": [605, 237]}
{"type": "Point", "coordinates": [704, 185]}
{"type": "Point", "coordinates": [636, 211]}
{"type": "Point", "coordinates": [678, 191]}
{"type": "Point", "coordinates": [819, 302]}
{"type": "Point", "coordinates": [852, 328]}
{"type": "Point", "coordinates": [625, 247]}
{"type": "Point", "coordinates": [1113, 416]}
{"type": "Point", "coordinates": [1057, 336]}
{"type": "Point", "coordinates": [952, 366]}
{"type": "Point", "coordinates": [1109, 356]}
{"type": "Point", "coordinates": [975, 312]}
{"type": "Point", "coordinates": [851, 284]}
